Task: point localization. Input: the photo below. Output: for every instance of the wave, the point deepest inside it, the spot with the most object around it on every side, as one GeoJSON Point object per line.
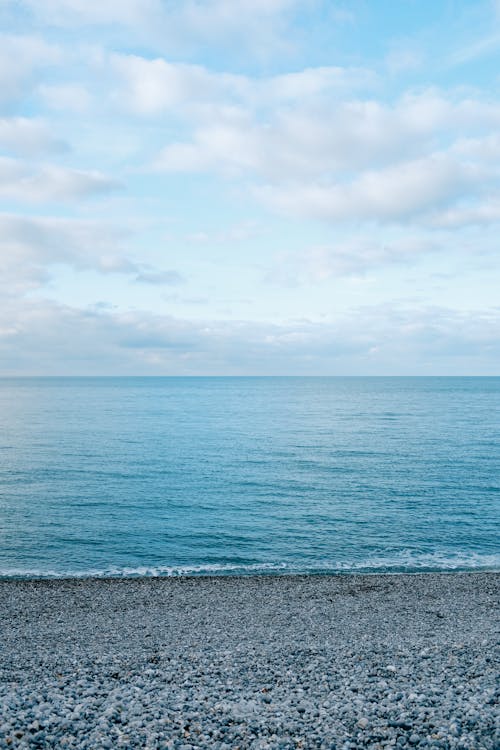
{"type": "Point", "coordinates": [404, 562]}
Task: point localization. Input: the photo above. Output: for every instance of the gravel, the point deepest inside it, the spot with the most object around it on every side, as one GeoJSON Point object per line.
{"type": "Point", "coordinates": [346, 662]}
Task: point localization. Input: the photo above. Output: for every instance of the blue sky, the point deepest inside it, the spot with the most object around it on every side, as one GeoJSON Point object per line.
{"type": "Point", "coordinates": [249, 187]}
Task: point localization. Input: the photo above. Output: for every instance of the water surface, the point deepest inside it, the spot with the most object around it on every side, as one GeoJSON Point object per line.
{"type": "Point", "coordinates": [148, 476]}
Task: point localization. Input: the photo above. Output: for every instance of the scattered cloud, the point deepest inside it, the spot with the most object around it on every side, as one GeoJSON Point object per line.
{"type": "Point", "coordinates": [39, 183]}
{"type": "Point", "coordinates": [353, 160]}
{"type": "Point", "coordinates": [219, 109]}
{"type": "Point", "coordinates": [395, 193]}
{"type": "Point", "coordinates": [204, 16]}
{"type": "Point", "coordinates": [487, 45]}
{"type": "Point", "coordinates": [326, 138]}
{"type": "Point", "coordinates": [355, 256]}
{"type": "Point", "coordinates": [41, 241]}
{"type": "Point", "coordinates": [93, 12]}
{"type": "Point", "coordinates": [22, 58]}
{"type": "Point", "coordinates": [257, 26]}
{"type": "Point", "coordinates": [30, 247]}
{"type": "Point", "coordinates": [154, 86]}
{"type": "Point", "coordinates": [28, 136]}
{"type": "Point", "coordinates": [235, 233]}
{"type": "Point", "coordinates": [404, 57]}
{"type": "Point", "coordinates": [480, 213]}
{"type": "Point", "coordinates": [149, 275]}
{"type": "Point", "coordinates": [66, 97]}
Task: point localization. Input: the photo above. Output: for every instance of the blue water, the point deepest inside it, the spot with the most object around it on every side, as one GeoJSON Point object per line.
{"type": "Point", "coordinates": [162, 476]}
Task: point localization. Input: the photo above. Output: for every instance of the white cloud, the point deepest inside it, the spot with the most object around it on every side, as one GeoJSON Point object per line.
{"type": "Point", "coordinates": [153, 86]}
{"type": "Point", "coordinates": [235, 233]}
{"type": "Point", "coordinates": [31, 246]}
{"type": "Point", "coordinates": [224, 148]}
{"type": "Point", "coordinates": [256, 26]}
{"type": "Point", "coordinates": [480, 213]}
{"type": "Point", "coordinates": [482, 47]}
{"type": "Point", "coordinates": [21, 60]}
{"type": "Point", "coordinates": [28, 136]}
{"type": "Point", "coordinates": [313, 82]}
{"type": "Point", "coordinates": [395, 193]}
{"type": "Point", "coordinates": [485, 149]}
{"type": "Point", "coordinates": [204, 16]}
{"type": "Point", "coordinates": [224, 14]}
{"type": "Point", "coordinates": [22, 181]}
{"type": "Point", "coordinates": [344, 145]}
{"type": "Point", "coordinates": [66, 97]}
{"type": "Point", "coordinates": [321, 137]}
{"type": "Point", "coordinates": [358, 255]}
{"type": "Point", "coordinates": [259, 25]}
{"type": "Point", "coordinates": [43, 240]}
{"type": "Point", "coordinates": [77, 12]}
{"type": "Point", "coordinates": [148, 275]}
{"type": "Point", "coordinates": [42, 337]}
{"type": "Point", "coordinates": [350, 159]}
{"type": "Point", "coordinates": [404, 56]}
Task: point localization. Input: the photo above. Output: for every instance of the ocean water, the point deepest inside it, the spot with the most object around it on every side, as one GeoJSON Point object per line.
{"type": "Point", "coordinates": [169, 476]}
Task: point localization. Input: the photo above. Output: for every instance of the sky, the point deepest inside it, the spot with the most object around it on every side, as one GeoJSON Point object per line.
{"type": "Point", "coordinates": [249, 187]}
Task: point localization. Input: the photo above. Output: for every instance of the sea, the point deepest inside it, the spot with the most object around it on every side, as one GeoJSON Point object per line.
{"type": "Point", "coordinates": [168, 476]}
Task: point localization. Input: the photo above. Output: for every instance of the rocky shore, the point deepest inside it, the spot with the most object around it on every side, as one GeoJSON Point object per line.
{"type": "Point", "coordinates": [394, 661]}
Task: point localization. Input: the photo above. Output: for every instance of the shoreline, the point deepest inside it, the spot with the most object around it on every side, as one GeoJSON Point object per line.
{"type": "Point", "coordinates": [22, 577]}
{"type": "Point", "coordinates": [342, 660]}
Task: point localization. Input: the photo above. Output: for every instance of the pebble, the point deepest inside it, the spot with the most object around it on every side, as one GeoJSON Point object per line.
{"type": "Point", "coordinates": [250, 663]}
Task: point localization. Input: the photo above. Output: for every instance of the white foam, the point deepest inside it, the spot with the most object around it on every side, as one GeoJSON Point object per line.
{"type": "Point", "coordinates": [403, 562]}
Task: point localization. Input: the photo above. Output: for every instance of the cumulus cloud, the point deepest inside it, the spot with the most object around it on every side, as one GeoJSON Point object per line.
{"type": "Point", "coordinates": [31, 246]}
{"type": "Point", "coordinates": [478, 213]}
{"type": "Point", "coordinates": [23, 181]}
{"type": "Point", "coordinates": [395, 193]}
{"type": "Point", "coordinates": [93, 12]}
{"type": "Point", "coordinates": [223, 147]}
{"type": "Point", "coordinates": [307, 84]}
{"type": "Point", "coordinates": [204, 16]}
{"type": "Point", "coordinates": [43, 240]}
{"type": "Point", "coordinates": [66, 97]}
{"type": "Point", "coordinates": [352, 159]}
{"type": "Point", "coordinates": [485, 148]}
{"type": "Point", "coordinates": [324, 144]}
{"type": "Point", "coordinates": [324, 137]}
{"type": "Point", "coordinates": [257, 26]}
{"type": "Point", "coordinates": [356, 256]}
{"type": "Point", "coordinates": [153, 86]}
{"type": "Point", "coordinates": [21, 60]}
{"type": "Point", "coordinates": [217, 14]}
{"type": "Point", "coordinates": [28, 136]}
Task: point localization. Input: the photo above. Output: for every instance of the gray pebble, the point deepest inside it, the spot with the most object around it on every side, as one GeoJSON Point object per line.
{"type": "Point", "coordinates": [277, 662]}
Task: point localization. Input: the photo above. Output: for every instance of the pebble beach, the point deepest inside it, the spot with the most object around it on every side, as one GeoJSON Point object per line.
{"type": "Point", "coordinates": [347, 661]}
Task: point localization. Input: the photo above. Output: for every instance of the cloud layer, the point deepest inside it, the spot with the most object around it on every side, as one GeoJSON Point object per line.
{"type": "Point", "coordinates": [233, 186]}
{"type": "Point", "coordinates": [50, 339]}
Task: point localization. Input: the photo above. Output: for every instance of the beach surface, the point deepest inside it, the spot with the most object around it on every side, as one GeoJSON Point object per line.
{"type": "Point", "coordinates": [343, 661]}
